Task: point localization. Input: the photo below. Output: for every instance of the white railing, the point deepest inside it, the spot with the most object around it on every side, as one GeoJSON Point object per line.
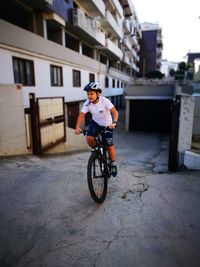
{"type": "Point", "coordinates": [50, 2]}
{"type": "Point", "coordinates": [118, 7]}
{"type": "Point", "coordinates": [114, 48]}
{"type": "Point", "coordinates": [127, 26]}
{"type": "Point", "coordinates": [110, 22]}
{"type": "Point", "coordinates": [127, 43]}
{"type": "Point", "coordinates": [99, 4]}
{"type": "Point", "coordinates": [89, 25]}
{"type": "Point", "coordinates": [126, 59]}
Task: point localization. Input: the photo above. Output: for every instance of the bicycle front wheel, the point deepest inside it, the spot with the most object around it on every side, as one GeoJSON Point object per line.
{"type": "Point", "coordinates": [97, 180]}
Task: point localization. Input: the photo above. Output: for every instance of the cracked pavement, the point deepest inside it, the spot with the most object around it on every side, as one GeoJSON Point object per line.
{"type": "Point", "coordinates": [149, 218]}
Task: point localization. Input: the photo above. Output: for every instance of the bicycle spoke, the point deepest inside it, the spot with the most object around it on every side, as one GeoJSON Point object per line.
{"type": "Point", "coordinates": [97, 180]}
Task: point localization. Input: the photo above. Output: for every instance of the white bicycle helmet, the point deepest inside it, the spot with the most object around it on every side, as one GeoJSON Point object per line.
{"type": "Point", "coordinates": [93, 86]}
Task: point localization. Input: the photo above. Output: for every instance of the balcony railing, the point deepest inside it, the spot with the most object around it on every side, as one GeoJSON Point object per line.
{"type": "Point", "coordinates": [127, 43]}
{"type": "Point", "coordinates": [112, 47]}
{"type": "Point", "coordinates": [88, 25]}
{"type": "Point", "coordinates": [50, 2]}
{"type": "Point", "coordinates": [126, 59]}
{"type": "Point", "coordinates": [134, 53]}
{"type": "Point", "coordinates": [134, 66]}
{"type": "Point", "coordinates": [93, 7]}
{"type": "Point", "coordinates": [128, 10]}
{"type": "Point", "coordinates": [111, 25]}
{"type": "Point", "coordinates": [127, 26]}
{"type": "Point", "coordinates": [118, 7]}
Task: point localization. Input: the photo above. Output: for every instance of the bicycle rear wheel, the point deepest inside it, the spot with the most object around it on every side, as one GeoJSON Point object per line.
{"type": "Point", "coordinates": [97, 180]}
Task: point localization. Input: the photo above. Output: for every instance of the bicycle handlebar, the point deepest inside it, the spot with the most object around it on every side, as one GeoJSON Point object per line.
{"type": "Point", "coordinates": [104, 128]}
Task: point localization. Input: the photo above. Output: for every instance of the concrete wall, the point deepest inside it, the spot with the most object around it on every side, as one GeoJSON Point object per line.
{"type": "Point", "coordinates": [186, 123]}
{"type": "Point", "coordinates": [12, 122]}
{"type": "Point", "coordinates": [167, 90]}
{"type": "Point", "coordinates": [74, 143]}
{"type": "Point", "coordinates": [13, 140]}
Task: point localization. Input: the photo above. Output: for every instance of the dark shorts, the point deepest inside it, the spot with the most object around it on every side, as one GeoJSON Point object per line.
{"type": "Point", "coordinates": [107, 136]}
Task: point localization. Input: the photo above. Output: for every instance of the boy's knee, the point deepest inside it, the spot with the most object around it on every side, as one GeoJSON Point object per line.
{"type": "Point", "coordinates": [109, 142]}
{"type": "Point", "coordinates": [90, 139]}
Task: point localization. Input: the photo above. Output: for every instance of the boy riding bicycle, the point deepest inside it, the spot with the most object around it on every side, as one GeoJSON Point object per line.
{"type": "Point", "coordinates": [104, 114]}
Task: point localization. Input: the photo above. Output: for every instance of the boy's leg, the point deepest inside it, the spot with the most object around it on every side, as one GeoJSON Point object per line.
{"type": "Point", "coordinates": [91, 134]}
{"type": "Point", "coordinates": [112, 155]}
{"type": "Point", "coordinates": [90, 140]}
{"type": "Point", "coordinates": [111, 152]}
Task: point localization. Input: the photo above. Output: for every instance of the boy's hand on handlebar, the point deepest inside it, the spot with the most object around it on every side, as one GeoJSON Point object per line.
{"type": "Point", "coordinates": [78, 131]}
{"type": "Point", "coordinates": [113, 125]}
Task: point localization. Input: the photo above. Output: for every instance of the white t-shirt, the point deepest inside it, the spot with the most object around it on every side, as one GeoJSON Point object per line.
{"type": "Point", "coordinates": [100, 111]}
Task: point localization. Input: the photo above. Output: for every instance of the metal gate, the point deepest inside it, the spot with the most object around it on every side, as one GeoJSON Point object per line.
{"type": "Point", "coordinates": [173, 145]}
{"type": "Point", "coordinates": [47, 122]}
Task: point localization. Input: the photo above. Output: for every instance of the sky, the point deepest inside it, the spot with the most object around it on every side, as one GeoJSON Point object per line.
{"type": "Point", "coordinates": [180, 23]}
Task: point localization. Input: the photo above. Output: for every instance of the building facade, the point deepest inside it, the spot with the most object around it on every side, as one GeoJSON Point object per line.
{"type": "Point", "coordinates": [167, 66]}
{"type": "Point", "coordinates": [151, 47]}
{"type": "Point", "coordinates": [55, 47]}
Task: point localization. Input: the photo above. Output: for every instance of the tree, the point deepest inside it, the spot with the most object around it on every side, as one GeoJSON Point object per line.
{"type": "Point", "coordinates": [182, 68]}
{"type": "Point", "coordinates": [155, 75]}
{"type": "Point", "coordinates": [172, 73]}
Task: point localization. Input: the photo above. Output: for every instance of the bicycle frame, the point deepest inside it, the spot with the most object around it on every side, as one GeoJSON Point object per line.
{"type": "Point", "coordinates": [101, 148]}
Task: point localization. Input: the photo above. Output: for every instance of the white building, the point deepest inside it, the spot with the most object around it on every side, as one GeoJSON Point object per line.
{"type": "Point", "coordinates": [56, 47]}
{"type": "Point", "coordinates": [166, 66]}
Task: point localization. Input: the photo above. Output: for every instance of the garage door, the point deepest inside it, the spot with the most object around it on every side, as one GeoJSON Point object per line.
{"type": "Point", "coordinates": [150, 115]}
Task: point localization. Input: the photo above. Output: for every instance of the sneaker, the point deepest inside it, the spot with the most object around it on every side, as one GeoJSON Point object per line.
{"type": "Point", "coordinates": [114, 170]}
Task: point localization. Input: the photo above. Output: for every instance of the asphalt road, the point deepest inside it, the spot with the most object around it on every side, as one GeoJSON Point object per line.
{"type": "Point", "coordinates": [149, 218]}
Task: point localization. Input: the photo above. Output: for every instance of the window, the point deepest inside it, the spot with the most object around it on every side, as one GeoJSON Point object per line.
{"type": "Point", "coordinates": [106, 82]}
{"type": "Point", "coordinates": [23, 71]}
{"type": "Point", "coordinates": [103, 59]}
{"type": "Point", "coordinates": [56, 75]}
{"type": "Point", "coordinates": [91, 77]}
{"type": "Point", "coordinates": [87, 51]}
{"type": "Point", "coordinates": [71, 42]}
{"type": "Point", "coordinates": [113, 83]}
{"type": "Point", "coordinates": [76, 78]}
{"type": "Point", "coordinates": [117, 84]}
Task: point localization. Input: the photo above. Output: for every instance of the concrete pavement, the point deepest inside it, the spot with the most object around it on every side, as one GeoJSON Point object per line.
{"type": "Point", "coordinates": [149, 218]}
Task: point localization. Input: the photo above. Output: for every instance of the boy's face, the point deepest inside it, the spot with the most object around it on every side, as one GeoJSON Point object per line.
{"type": "Point", "coordinates": [92, 96]}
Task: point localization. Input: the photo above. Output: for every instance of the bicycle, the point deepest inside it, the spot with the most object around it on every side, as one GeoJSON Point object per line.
{"type": "Point", "coordinates": [98, 169]}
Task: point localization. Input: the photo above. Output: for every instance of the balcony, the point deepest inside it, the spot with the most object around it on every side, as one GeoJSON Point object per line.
{"type": "Point", "coordinates": [118, 7]}
{"type": "Point", "coordinates": [126, 59]}
{"type": "Point", "coordinates": [93, 7]}
{"type": "Point", "coordinates": [128, 7]}
{"type": "Point", "coordinates": [158, 50]}
{"type": "Point", "coordinates": [50, 2]}
{"type": "Point", "coordinates": [134, 53]}
{"type": "Point", "coordinates": [138, 29]}
{"type": "Point", "coordinates": [112, 49]}
{"type": "Point", "coordinates": [133, 66]}
{"type": "Point", "coordinates": [88, 27]}
{"type": "Point", "coordinates": [127, 26]}
{"type": "Point", "coordinates": [127, 43]}
{"type": "Point", "coordinates": [134, 39]}
{"type": "Point", "coordinates": [158, 61]}
{"type": "Point", "coordinates": [41, 4]}
{"type": "Point", "coordinates": [54, 18]}
{"type": "Point", "coordinates": [159, 39]}
{"type": "Point", "coordinates": [110, 25]}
